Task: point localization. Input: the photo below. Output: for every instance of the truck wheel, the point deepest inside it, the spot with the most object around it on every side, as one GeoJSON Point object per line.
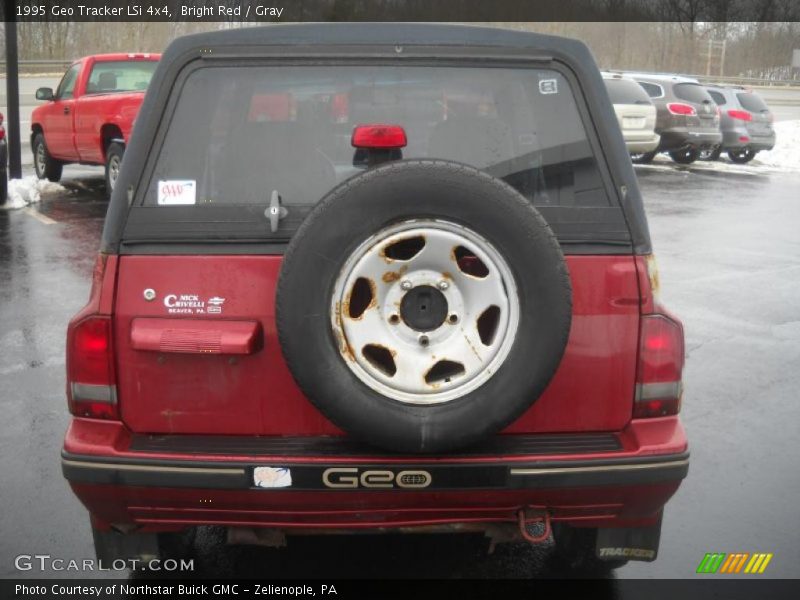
{"type": "Point", "coordinates": [710, 153]}
{"type": "Point", "coordinates": [575, 550]}
{"type": "Point", "coordinates": [644, 158]}
{"type": "Point", "coordinates": [46, 166]}
{"type": "Point", "coordinates": [740, 157]}
{"type": "Point", "coordinates": [113, 163]}
{"type": "Point", "coordinates": [685, 157]}
{"type": "Point", "coordinates": [440, 311]}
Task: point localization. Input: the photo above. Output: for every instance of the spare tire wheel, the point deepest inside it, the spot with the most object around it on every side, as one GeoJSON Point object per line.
{"type": "Point", "coordinates": [423, 305]}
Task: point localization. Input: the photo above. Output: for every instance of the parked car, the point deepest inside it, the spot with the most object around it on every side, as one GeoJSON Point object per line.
{"type": "Point", "coordinates": [89, 118]}
{"type": "Point", "coordinates": [636, 114]}
{"type": "Point", "coordinates": [746, 124]}
{"type": "Point", "coordinates": [376, 294]}
{"type": "Point", "coordinates": [687, 118]}
{"type": "Point", "coordinates": [3, 163]}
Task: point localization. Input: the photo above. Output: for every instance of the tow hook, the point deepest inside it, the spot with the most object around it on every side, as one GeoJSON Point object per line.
{"type": "Point", "coordinates": [528, 517]}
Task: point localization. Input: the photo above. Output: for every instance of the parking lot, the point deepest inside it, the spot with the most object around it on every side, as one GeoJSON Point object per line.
{"type": "Point", "coordinates": [729, 254]}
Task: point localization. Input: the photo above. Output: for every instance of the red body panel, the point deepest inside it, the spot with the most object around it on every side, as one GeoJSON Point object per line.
{"type": "Point", "coordinates": [75, 136]}
{"type": "Point", "coordinates": [255, 394]}
{"type": "Point", "coordinates": [164, 508]}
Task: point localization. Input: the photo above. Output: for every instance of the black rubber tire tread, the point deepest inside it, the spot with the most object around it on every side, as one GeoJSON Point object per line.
{"type": "Point", "coordinates": [359, 208]}
{"type": "Point", "coordinates": [52, 167]}
{"type": "Point", "coordinates": [684, 157]}
{"type": "Point", "coordinates": [715, 154]}
{"type": "Point", "coordinates": [740, 159]}
{"type": "Point", "coordinates": [114, 148]}
{"type": "Point", "coordinates": [644, 159]}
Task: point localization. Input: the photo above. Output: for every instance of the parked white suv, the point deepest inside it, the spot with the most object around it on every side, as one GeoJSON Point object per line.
{"type": "Point", "coordinates": [636, 113]}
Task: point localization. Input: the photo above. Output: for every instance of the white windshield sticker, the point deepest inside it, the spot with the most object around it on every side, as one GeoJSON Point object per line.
{"type": "Point", "coordinates": [548, 86]}
{"type": "Point", "coordinates": [177, 191]}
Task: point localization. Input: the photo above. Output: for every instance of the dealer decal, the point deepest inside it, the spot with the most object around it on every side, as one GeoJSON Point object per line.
{"type": "Point", "coordinates": [193, 304]}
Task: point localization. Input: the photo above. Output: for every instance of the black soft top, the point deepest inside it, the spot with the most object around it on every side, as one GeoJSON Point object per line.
{"type": "Point", "coordinates": [398, 41]}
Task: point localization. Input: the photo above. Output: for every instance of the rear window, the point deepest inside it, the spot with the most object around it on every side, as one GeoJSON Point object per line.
{"type": "Point", "coordinates": [653, 89]}
{"type": "Point", "coordinates": [718, 98]}
{"type": "Point", "coordinates": [626, 91]}
{"type": "Point", "coordinates": [751, 102]}
{"type": "Point", "coordinates": [238, 134]}
{"type": "Point", "coordinates": [692, 92]}
{"type": "Point", "coordinates": [241, 132]}
{"type": "Point", "coordinates": [120, 76]}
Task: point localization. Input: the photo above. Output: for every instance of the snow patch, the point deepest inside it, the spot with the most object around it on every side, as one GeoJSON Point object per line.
{"type": "Point", "coordinates": [784, 157]}
{"type": "Point", "coordinates": [786, 153]}
{"type": "Point", "coordinates": [29, 190]}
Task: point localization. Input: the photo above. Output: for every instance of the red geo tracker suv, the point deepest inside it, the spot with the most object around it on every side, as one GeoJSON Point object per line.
{"type": "Point", "coordinates": [376, 277]}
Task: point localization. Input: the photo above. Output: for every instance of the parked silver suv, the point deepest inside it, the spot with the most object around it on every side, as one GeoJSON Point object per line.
{"type": "Point", "coordinates": [746, 124]}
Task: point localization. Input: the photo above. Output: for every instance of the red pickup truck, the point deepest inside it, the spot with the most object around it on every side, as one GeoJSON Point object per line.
{"type": "Point", "coordinates": [89, 117]}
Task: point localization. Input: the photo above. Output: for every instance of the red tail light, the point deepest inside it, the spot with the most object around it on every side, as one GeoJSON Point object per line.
{"type": "Point", "coordinates": [661, 356]}
{"type": "Point", "coordinates": [379, 136]}
{"type": "Point", "coordinates": [2, 131]}
{"type": "Point", "coordinates": [741, 115]}
{"type": "Point", "coordinates": [91, 382]}
{"type": "Point", "coordinates": [678, 108]}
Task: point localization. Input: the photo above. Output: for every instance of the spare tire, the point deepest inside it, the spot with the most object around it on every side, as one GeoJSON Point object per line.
{"type": "Point", "coordinates": [423, 305]}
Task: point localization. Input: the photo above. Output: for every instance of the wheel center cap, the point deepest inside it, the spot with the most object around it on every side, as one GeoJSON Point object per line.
{"type": "Point", "coordinates": [424, 308]}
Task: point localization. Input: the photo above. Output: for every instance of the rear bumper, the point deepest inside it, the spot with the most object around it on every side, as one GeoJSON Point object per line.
{"type": "Point", "coordinates": [167, 482]}
{"type": "Point", "coordinates": [638, 146]}
{"type": "Point", "coordinates": [740, 137]}
{"type": "Point", "coordinates": [681, 137]}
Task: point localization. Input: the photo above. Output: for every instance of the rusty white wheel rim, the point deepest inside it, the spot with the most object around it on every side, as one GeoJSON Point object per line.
{"type": "Point", "coordinates": [378, 328]}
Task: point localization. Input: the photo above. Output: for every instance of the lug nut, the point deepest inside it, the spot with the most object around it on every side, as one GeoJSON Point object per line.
{"type": "Point", "coordinates": [405, 285]}
{"type": "Point", "coordinates": [394, 319]}
{"type": "Point", "coordinates": [443, 285]}
{"type": "Point", "coordinates": [453, 319]}
{"type": "Point", "coordinates": [423, 340]}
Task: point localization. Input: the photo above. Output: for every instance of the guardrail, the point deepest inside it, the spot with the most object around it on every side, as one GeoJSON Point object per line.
{"type": "Point", "coordinates": [34, 67]}
{"type": "Point", "coordinates": [722, 79]}
{"type": "Point", "coordinates": [747, 81]}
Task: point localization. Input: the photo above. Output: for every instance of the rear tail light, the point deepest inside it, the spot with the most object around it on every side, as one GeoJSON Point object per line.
{"type": "Point", "coordinates": [379, 136]}
{"type": "Point", "coordinates": [741, 115]}
{"type": "Point", "coordinates": [659, 384]}
{"type": "Point", "coordinates": [91, 382]}
{"type": "Point", "coordinates": [678, 108]}
{"type": "Point", "coordinates": [659, 387]}
{"type": "Point", "coordinates": [2, 131]}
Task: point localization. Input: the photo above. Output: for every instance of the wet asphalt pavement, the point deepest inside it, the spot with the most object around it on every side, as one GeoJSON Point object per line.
{"type": "Point", "coordinates": [728, 248]}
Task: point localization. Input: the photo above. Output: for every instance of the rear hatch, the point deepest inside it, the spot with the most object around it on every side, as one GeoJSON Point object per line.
{"type": "Point", "coordinates": [706, 117]}
{"type": "Point", "coordinates": [761, 117]}
{"type": "Point", "coordinates": [194, 322]}
{"type": "Point", "coordinates": [635, 112]}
